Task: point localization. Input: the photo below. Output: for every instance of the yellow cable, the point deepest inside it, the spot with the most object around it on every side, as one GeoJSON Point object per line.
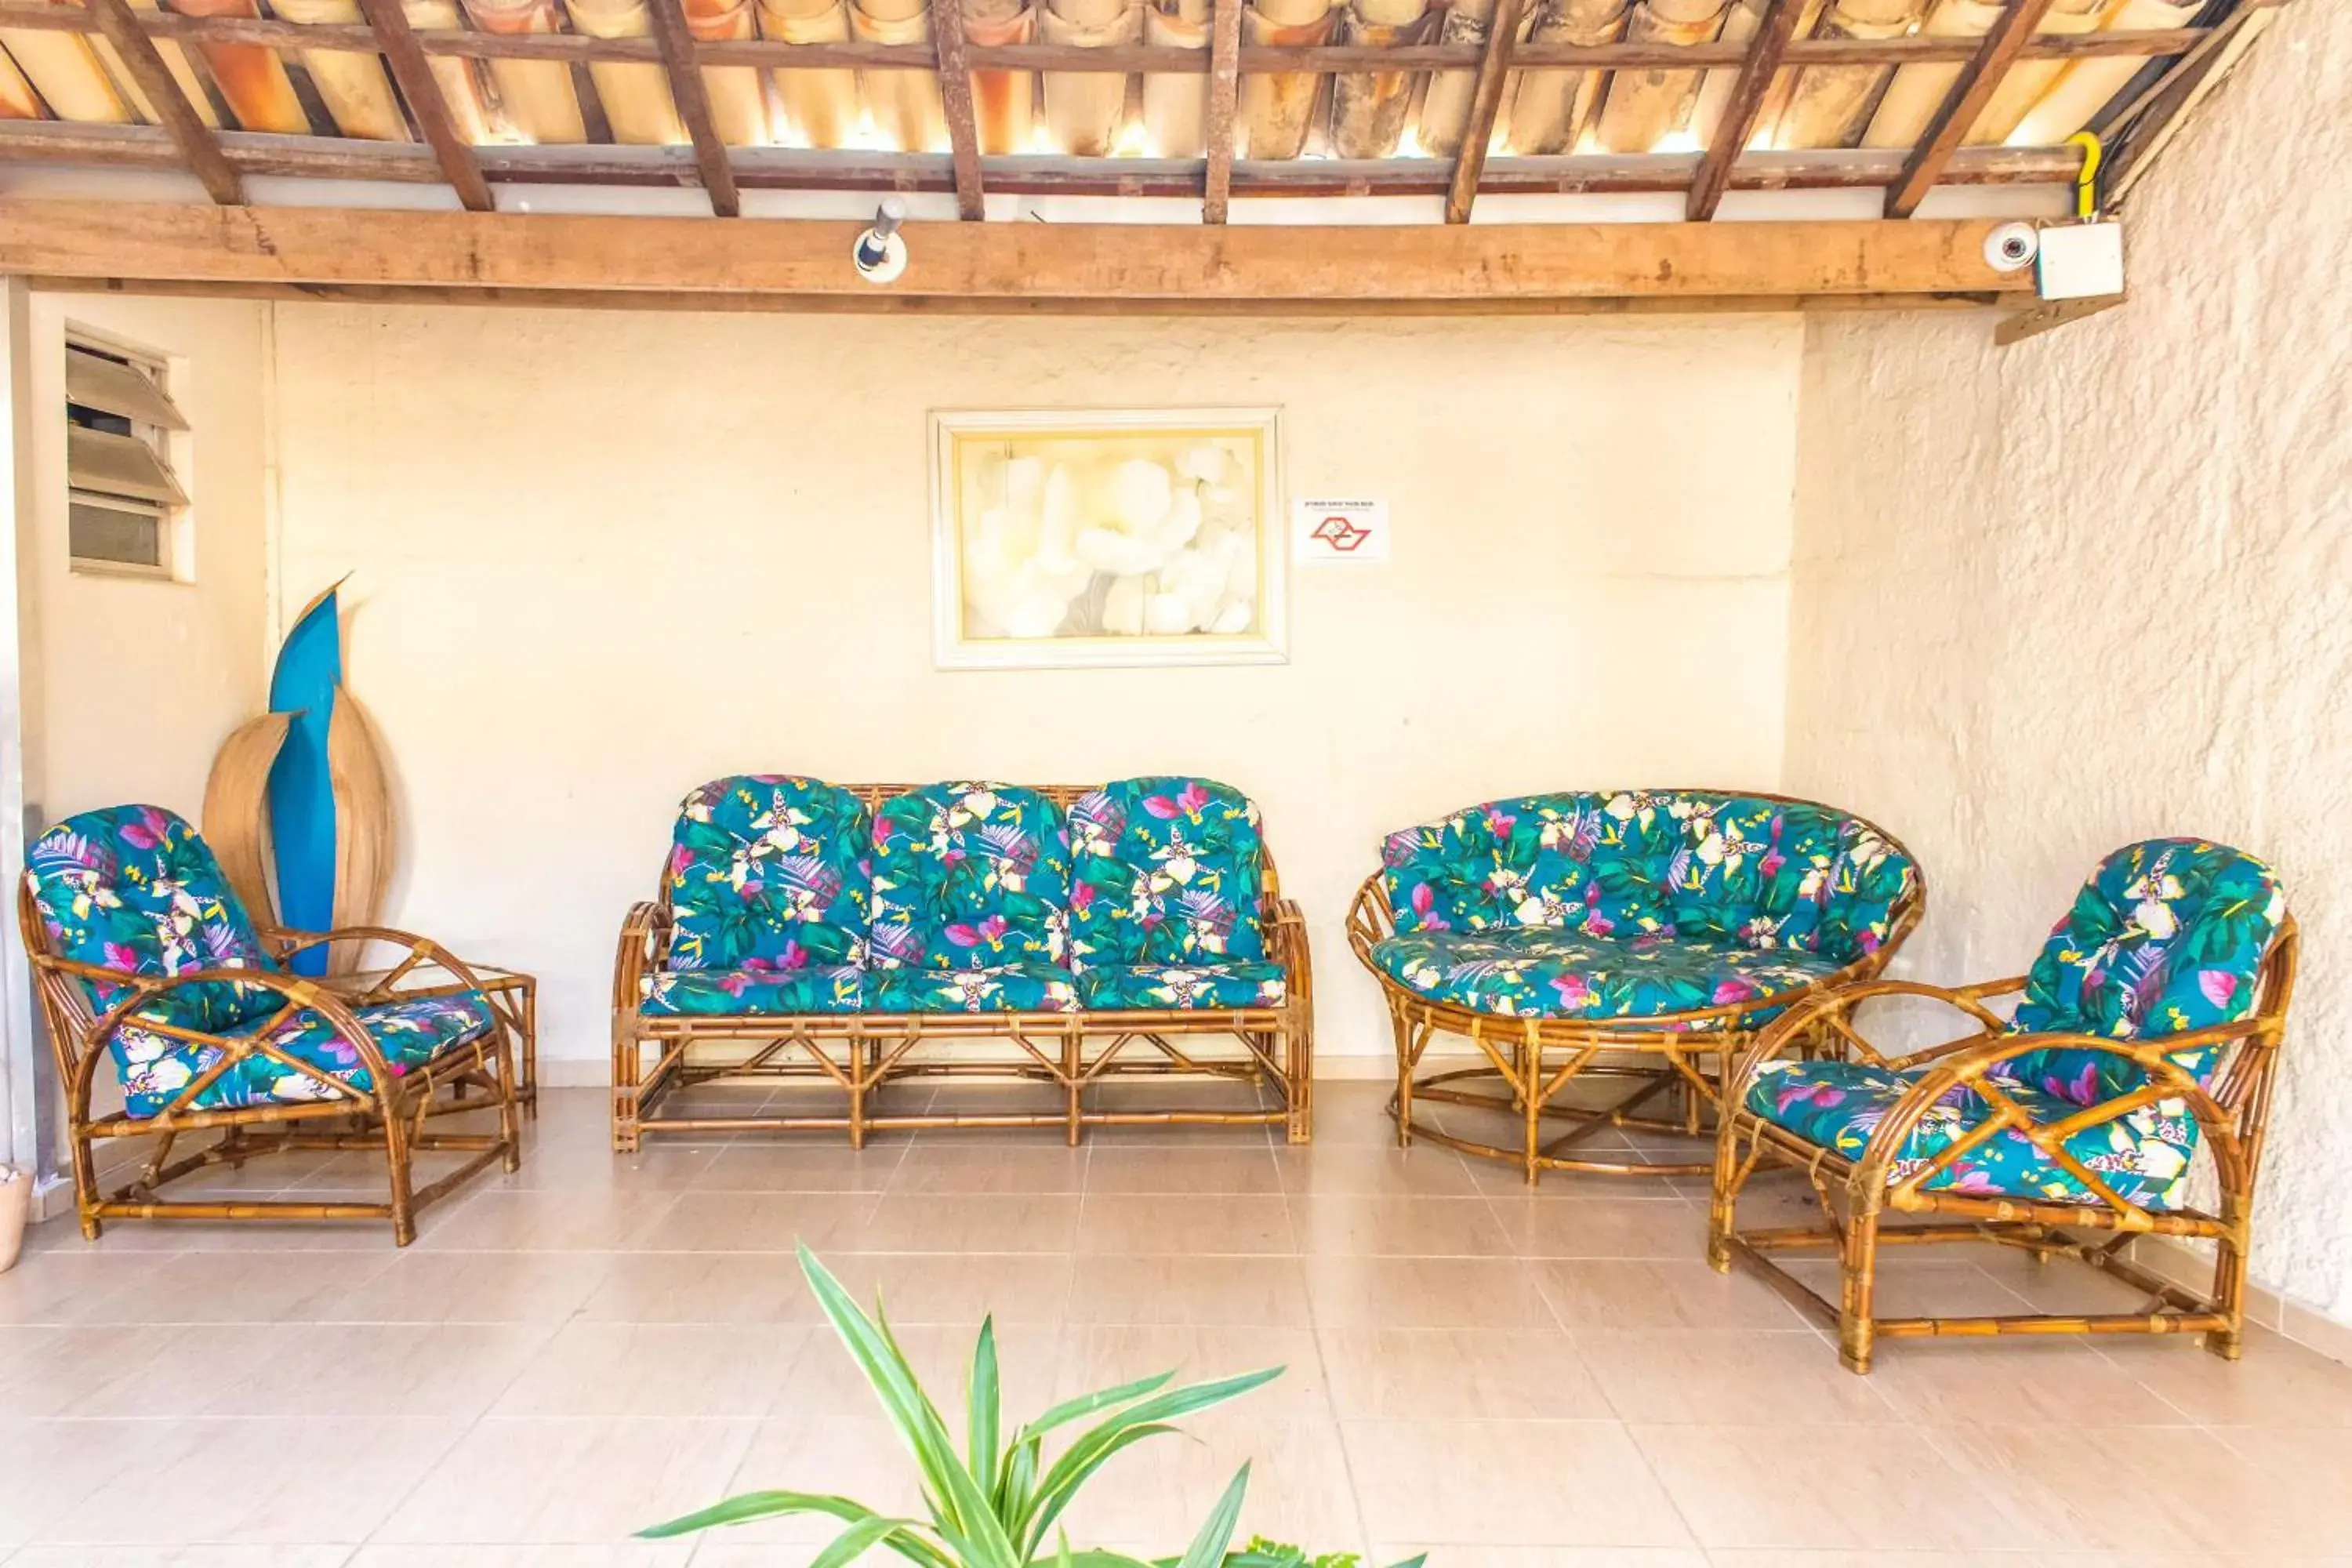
{"type": "Point", "coordinates": [2086, 186]}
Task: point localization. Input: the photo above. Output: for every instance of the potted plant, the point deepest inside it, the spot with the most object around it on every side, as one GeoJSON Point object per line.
{"type": "Point", "coordinates": [998, 1504]}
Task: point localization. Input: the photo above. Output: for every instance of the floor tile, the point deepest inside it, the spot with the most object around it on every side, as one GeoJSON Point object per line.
{"type": "Point", "coordinates": [1822, 1488]}
{"type": "Point", "coordinates": [1105, 1356]}
{"type": "Point", "coordinates": [1509, 1483]}
{"type": "Point", "coordinates": [968, 1170]}
{"type": "Point", "coordinates": [1375, 1170]}
{"type": "Point", "coordinates": [1604, 1227]}
{"type": "Point", "coordinates": [938, 1223]}
{"type": "Point", "coordinates": [1108, 1288]}
{"type": "Point", "coordinates": [1373, 1225]}
{"type": "Point", "coordinates": [619, 1369]}
{"type": "Point", "coordinates": [1216, 1225]}
{"type": "Point", "coordinates": [1445, 1375]}
{"type": "Point", "coordinates": [1425, 1293]}
{"type": "Point", "coordinates": [1180, 1171]}
{"type": "Point", "coordinates": [1717, 1377]}
{"type": "Point", "coordinates": [760, 1221]}
{"type": "Point", "coordinates": [553, 1482]}
{"type": "Point", "coordinates": [470, 1288]}
{"type": "Point", "coordinates": [1603, 1294]}
{"type": "Point", "coordinates": [799, 1167]}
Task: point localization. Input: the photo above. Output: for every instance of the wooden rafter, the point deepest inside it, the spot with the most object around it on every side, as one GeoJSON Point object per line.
{"type": "Point", "coordinates": [1224, 106]}
{"type": "Point", "coordinates": [955, 95]}
{"type": "Point", "coordinates": [1013, 265]}
{"type": "Point", "coordinates": [2149, 123]}
{"type": "Point", "coordinates": [1485, 100]}
{"type": "Point", "coordinates": [685, 88]}
{"type": "Point", "coordinates": [197, 148]}
{"type": "Point", "coordinates": [389, 21]}
{"type": "Point", "coordinates": [1970, 92]}
{"type": "Point", "coordinates": [1765, 56]}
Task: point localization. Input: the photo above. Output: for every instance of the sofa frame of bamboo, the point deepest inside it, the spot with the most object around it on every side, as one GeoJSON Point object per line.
{"type": "Point", "coordinates": [390, 1115]}
{"type": "Point", "coordinates": [1528, 1064]}
{"type": "Point", "coordinates": [2233, 1118]}
{"type": "Point", "coordinates": [861, 1054]}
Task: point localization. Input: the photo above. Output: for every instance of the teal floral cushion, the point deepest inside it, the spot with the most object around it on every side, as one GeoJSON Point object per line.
{"type": "Point", "coordinates": [1165, 871]}
{"type": "Point", "coordinates": [1236, 983]}
{"type": "Point", "coordinates": [769, 869]}
{"type": "Point", "coordinates": [133, 889]}
{"type": "Point", "coordinates": [998, 988]}
{"type": "Point", "coordinates": [969, 876]}
{"type": "Point", "coordinates": [1545, 972]}
{"type": "Point", "coordinates": [2167, 936]}
{"type": "Point", "coordinates": [2144, 1156]}
{"type": "Point", "coordinates": [1760, 873]}
{"type": "Point", "coordinates": [753, 990]}
{"type": "Point", "coordinates": [409, 1032]}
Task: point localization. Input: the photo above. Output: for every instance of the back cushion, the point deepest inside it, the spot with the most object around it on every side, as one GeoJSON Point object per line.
{"type": "Point", "coordinates": [133, 889]}
{"type": "Point", "coordinates": [1595, 863]}
{"type": "Point", "coordinates": [768, 871]}
{"type": "Point", "coordinates": [969, 875]}
{"type": "Point", "coordinates": [1785, 874]}
{"type": "Point", "coordinates": [1165, 871]}
{"type": "Point", "coordinates": [2167, 936]}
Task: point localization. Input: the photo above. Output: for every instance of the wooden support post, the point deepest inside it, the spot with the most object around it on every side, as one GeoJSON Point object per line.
{"type": "Point", "coordinates": [1486, 102]}
{"type": "Point", "coordinates": [197, 148]}
{"type": "Point", "coordinates": [1224, 108]}
{"type": "Point", "coordinates": [1970, 92]}
{"type": "Point", "coordinates": [410, 68]}
{"type": "Point", "coordinates": [1739, 123]}
{"type": "Point", "coordinates": [955, 94]}
{"type": "Point", "coordinates": [694, 105]}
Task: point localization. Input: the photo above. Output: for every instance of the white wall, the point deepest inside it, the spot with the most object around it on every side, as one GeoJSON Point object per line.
{"type": "Point", "coordinates": [131, 683]}
{"type": "Point", "coordinates": [2056, 597]}
{"type": "Point", "coordinates": [599, 558]}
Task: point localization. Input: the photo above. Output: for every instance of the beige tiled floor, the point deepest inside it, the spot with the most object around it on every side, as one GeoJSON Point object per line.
{"type": "Point", "coordinates": [1508, 1379]}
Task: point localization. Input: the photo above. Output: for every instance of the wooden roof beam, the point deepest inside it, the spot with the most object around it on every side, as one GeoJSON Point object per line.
{"type": "Point", "coordinates": [686, 90]}
{"type": "Point", "coordinates": [1486, 102]}
{"type": "Point", "coordinates": [955, 96]}
{"type": "Point", "coordinates": [389, 21]}
{"type": "Point", "coordinates": [197, 148]}
{"type": "Point", "coordinates": [1739, 123]}
{"type": "Point", "coordinates": [1223, 107]}
{"type": "Point", "coordinates": [1970, 92]}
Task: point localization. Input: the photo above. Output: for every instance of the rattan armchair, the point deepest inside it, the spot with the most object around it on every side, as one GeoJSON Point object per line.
{"type": "Point", "coordinates": [144, 957]}
{"type": "Point", "coordinates": [2148, 1030]}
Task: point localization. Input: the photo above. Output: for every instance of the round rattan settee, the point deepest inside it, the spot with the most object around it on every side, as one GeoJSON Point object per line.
{"type": "Point", "coordinates": [1630, 942]}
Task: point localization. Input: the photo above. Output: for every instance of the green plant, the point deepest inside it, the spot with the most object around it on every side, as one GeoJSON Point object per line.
{"type": "Point", "coordinates": [997, 1505]}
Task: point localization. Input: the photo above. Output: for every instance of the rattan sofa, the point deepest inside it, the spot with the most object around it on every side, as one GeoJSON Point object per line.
{"type": "Point", "coordinates": [2145, 1036]}
{"type": "Point", "coordinates": [867, 940]}
{"type": "Point", "coordinates": [1625, 940]}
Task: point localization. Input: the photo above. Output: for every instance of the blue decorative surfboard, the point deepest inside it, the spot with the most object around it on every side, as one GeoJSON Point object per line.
{"type": "Point", "coordinates": [301, 785]}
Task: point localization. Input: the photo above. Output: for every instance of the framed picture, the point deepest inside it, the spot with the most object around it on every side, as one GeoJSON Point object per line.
{"type": "Point", "coordinates": [1121, 537]}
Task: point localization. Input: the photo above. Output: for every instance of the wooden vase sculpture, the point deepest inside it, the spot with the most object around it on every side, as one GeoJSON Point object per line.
{"type": "Point", "coordinates": [306, 779]}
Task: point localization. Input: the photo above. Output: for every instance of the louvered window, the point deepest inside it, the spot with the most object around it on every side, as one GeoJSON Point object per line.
{"type": "Point", "coordinates": [122, 496]}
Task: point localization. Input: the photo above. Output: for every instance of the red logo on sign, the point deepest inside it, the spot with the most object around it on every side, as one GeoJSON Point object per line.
{"type": "Point", "coordinates": [1341, 534]}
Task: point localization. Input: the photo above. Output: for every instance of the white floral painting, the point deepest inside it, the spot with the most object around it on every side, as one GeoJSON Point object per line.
{"type": "Point", "coordinates": [1124, 537]}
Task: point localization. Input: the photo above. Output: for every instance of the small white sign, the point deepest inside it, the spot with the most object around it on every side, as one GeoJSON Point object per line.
{"type": "Point", "coordinates": [1341, 533]}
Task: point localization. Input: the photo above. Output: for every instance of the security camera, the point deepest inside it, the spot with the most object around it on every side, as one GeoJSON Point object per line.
{"type": "Point", "coordinates": [880, 254]}
{"type": "Point", "coordinates": [2012, 246]}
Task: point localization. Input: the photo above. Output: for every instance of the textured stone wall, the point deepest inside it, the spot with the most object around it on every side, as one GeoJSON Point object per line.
{"type": "Point", "coordinates": [2098, 586]}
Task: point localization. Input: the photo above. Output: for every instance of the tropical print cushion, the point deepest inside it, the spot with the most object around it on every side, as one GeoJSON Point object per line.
{"type": "Point", "coordinates": [2167, 936]}
{"type": "Point", "coordinates": [133, 889]}
{"type": "Point", "coordinates": [1545, 972]}
{"type": "Point", "coordinates": [1165, 871]}
{"type": "Point", "coordinates": [2143, 1156]}
{"type": "Point", "coordinates": [818, 988]}
{"type": "Point", "coordinates": [998, 988]}
{"type": "Point", "coordinates": [969, 876]}
{"type": "Point", "coordinates": [1758, 872]}
{"type": "Point", "coordinates": [770, 868]}
{"type": "Point", "coordinates": [409, 1032]}
{"type": "Point", "coordinates": [1236, 983]}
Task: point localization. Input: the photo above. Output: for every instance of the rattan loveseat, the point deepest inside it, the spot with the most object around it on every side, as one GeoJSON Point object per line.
{"type": "Point", "coordinates": [870, 939]}
{"type": "Point", "coordinates": [1627, 937]}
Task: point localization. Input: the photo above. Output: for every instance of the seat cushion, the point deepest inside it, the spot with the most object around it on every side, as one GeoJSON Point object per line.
{"type": "Point", "coordinates": [1834, 1105]}
{"type": "Point", "coordinates": [409, 1033]}
{"type": "Point", "coordinates": [1238, 983]}
{"type": "Point", "coordinates": [133, 889]}
{"type": "Point", "coordinates": [770, 869]}
{"type": "Point", "coordinates": [1549, 973]}
{"type": "Point", "coordinates": [969, 876]}
{"type": "Point", "coordinates": [2167, 936]}
{"type": "Point", "coordinates": [818, 988]}
{"type": "Point", "coordinates": [1590, 862]}
{"type": "Point", "coordinates": [999, 988]}
{"type": "Point", "coordinates": [1165, 871]}
{"type": "Point", "coordinates": [1784, 874]}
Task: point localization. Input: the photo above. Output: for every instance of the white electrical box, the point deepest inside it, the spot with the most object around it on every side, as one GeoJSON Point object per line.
{"type": "Point", "coordinates": [2080, 261]}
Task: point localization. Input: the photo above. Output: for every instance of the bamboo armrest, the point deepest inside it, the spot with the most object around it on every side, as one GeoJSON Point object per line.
{"type": "Point", "coordinates": [1827, 1010]}
{"type": "Point", "coordinates": [422, 950]}
{"type": "Point", "coordinates": [644, 933]}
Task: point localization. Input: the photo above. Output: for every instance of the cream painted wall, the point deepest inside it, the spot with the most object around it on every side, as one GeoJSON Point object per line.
{"type": "Point", "coordinates": [131, 683]}
{"type": "Point", "coordinates": [2056, 597]}
{"type": "Point", "coordinates": [599, 558]}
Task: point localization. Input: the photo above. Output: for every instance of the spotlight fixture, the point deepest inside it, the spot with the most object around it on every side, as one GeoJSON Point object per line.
{"type": "Point", "coordinates": [880, 253]}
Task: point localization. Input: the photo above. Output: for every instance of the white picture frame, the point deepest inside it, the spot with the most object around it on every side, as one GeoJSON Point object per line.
{"type": "Point", "coordinates": [1107, 538]}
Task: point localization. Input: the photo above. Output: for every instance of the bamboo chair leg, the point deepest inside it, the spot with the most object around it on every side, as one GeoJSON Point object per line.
{"type": "Point", "coordinates": [396, 1148]}
{"type": "Point", "coordinates": [857, 1057]}
{"type": "Point", "coordinates": [509, 1119]}
{"type": "Point", "coordinates": [1858, 1287]}
{"type": "Point", "coordinates": [1723, 1206]}
{"type": "Point", "coordinates": [85, 1167]}
{"type": "Point", "coordinates": [1530, 1093]}
{"type": "Point", "coordinates": [625, 1069]}
{"type": "Point", "coordinates": [1403, 1029]}
{"type": "Point", "coordinates": [1073, 1070]}
{"type": "Point", "coordinates": [1298, 1091]}
{"type": "Point", "coordinates": [2229, 1296]}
